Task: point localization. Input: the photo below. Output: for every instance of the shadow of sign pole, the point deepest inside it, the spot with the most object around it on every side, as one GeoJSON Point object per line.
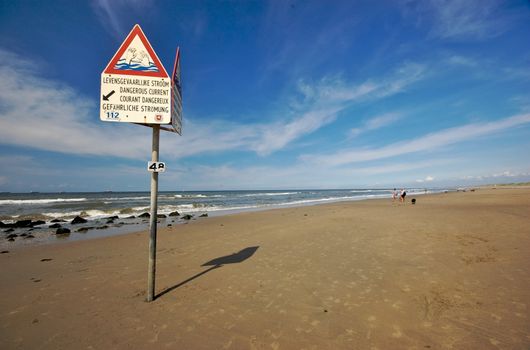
{"type": "Point", "coordinates": [216, 263]}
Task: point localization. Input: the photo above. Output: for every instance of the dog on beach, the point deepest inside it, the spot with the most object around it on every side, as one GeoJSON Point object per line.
{"type": "Point", "coordinates": [413, 200]}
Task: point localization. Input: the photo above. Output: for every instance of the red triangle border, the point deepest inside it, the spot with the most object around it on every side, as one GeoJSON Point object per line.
{"type": "Point", "coordinates": [136, 31]}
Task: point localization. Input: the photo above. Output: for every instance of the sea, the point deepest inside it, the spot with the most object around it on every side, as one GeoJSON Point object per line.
{"type": "Point", "coordinates": [124, 207]}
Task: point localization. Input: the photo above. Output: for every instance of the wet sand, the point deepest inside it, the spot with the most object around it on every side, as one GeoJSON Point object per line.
{"type": "Point", "coordinates": [451, 272]}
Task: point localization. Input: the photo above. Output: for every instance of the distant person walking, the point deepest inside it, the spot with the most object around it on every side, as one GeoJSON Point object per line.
{"type": "Point", "coordinates": [394, 195]}
{"type": "Point", "coordinates": [403, 195]}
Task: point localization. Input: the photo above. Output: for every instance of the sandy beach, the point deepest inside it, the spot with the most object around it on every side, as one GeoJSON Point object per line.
{"type": "Point", "coordinates": [451, 272]}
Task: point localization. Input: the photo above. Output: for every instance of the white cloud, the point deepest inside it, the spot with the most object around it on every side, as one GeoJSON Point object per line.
{"type": "Point", "coordinates": [427, 179]}
{"type": "Point", "coordinates": [523, 175]}
{"type": "Point", "coordinates": [111, 13]}
{"type": "Point", "coordinates": [376, 123]}
{"type": "Point", "coordinates": [43, 114]}
{"type": "Point", "coordinates": [428, 142]}
{"type": "Point", "coordinates": [462, 61]}
{"type": "Point", "coordinates": [455, 19]}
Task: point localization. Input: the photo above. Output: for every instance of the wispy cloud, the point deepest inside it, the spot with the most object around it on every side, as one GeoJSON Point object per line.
{"type": "Point", "coordinates": [376, 123]}
{"type": "Point", "coordinates": [461, 61]}
{"type": "Point", "coordinates": [426, 179]}
{"type": "Point", "coordinates": [324, 100]}
{"type": "Point", "coordinates": [111, 13]}
{"type": "Point", "coordinates": [428, 142]}
{"type": "Point", "coordinates": [464, 19]}
{"type": "Point", "coordinates": [43, 114]}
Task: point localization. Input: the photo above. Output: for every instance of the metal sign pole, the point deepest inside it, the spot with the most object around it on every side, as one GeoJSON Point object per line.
{"type": "Point", "coordinates": [153, 218]}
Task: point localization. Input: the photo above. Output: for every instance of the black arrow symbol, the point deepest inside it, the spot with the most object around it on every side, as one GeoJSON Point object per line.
{"type": "Point", "coordinates": [106, 97]}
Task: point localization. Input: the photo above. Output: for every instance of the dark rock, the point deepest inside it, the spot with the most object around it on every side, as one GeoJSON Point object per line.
{"type": "Point", "coordinates": [131, 217]}
{"type": "Point", "coordinates": [58, 220]}
{"type": "Point", "coordinates": [84, 229]}
{"type": "Point", "coordinates": [78, 220]}
{"type": "Point", "coordinates": [13, 235]}
{"type": "Point", "coordinates": [4, 225]}
{"type": "Point", "coordinates": [161, 216]}
{"type": "Point", "coordinates": [144, 215]}
{"type": "Point", "coordinates": [113, 217]}
{"type": "Point", "coordinates": [38, 222]}
{"type": "Point", "coordinates": [23, 235]}
{"type": "Point", "coordinates": [174, 213]}
{"type": "Point", "coordinates": [9, 230]}
{"type": "Point", "coordinates": [110, 221]}
{"type": "Point", "coordinates": [187, 217]}
{"type": "Point", "coordinates": [46, 259]}
{"type": "Point", "coordinates": [22, 223]}
{"type": "Point", "coordinates": [168, 225]}
{"type": "Point", "coordinates": [205, 215]}
{"type": "Point", "coordinates": [11, 239]}
{"type": "Point", "coordinates": [102, 227]}
{"type": "Point", "coordinates": [55, 226]}
{"type": "Point", "coordinates": [413, 200]}
{"type": "Point", "coordinates": [29, 236]}
{"type": "Point", "coordinates": [4, 252]}
{"type": "Point", "coordinates": [62, 231]}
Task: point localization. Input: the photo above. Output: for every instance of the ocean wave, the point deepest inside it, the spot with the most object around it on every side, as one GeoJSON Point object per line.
{"type": "Point", "coordinates": [40, 201]}
{"type": "Point", "coordinates": [190, 196]}
{"type": "Point", "coordinates": [269, 194]}
{"type": "Point", "coordinates": [125, 198]}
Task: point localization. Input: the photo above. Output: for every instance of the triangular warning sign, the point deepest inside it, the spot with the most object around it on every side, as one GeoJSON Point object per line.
{"type": "Point", "coordinates": [136, 57]}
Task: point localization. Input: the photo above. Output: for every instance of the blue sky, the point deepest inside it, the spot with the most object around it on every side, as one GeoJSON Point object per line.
{"type": "Point", "coordinates": [277, 94]}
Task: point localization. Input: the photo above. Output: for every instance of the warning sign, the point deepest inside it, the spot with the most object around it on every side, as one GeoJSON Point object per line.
{"type": "Point", "coordinates": [135, 86]}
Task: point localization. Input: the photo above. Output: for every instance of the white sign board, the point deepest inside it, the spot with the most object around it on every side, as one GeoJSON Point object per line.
{"type": "Point", "coordinates": [135, 87]}
{"type": "Point", "coordinates": [156, 167]}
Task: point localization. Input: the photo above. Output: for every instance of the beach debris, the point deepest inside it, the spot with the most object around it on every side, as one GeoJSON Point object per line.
{"type": "Point", "coordinates": [46, 259]}
{"type": "Point", "coordinates": [55, 226]}
{"type": "Point", "coordinates": [144, 215]}
{"type": "Point", "coordinates": [62, 231]}
{"type": "Point", "coordinates": [174, 213]}
{"type": "Point", "coordinates": [205, 215]}
{"type": "Point", "coordinates": [78, 220]}
{"type": "Point", "coordinates": [58, 220]}
{"type": "Point", "coordinates": [187, 217]}
{"type": "Point", "coordinates": [4, 252]}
